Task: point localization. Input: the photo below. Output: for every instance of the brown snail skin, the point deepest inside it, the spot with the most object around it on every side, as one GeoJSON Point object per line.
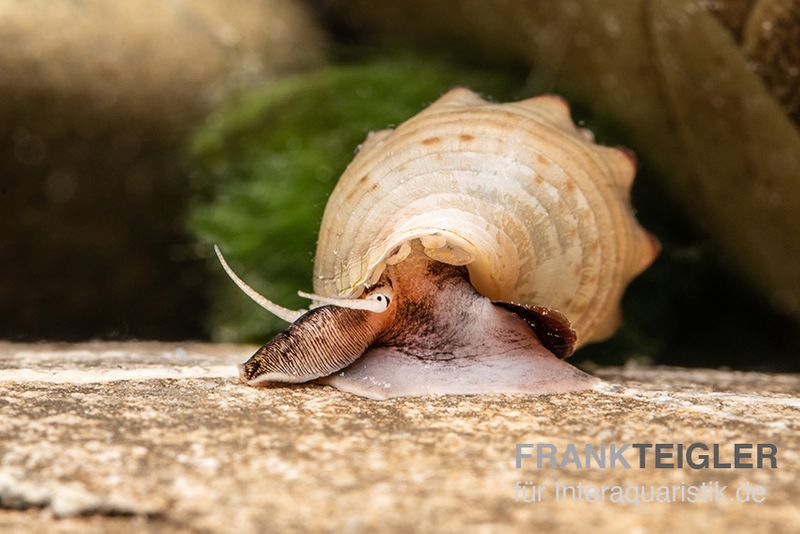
{"type": "Point", "coordinates": [443, 242]}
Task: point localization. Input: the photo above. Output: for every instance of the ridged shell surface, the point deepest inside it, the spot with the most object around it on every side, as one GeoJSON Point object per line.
{"type": "Point", "coordinates": [537, 212]}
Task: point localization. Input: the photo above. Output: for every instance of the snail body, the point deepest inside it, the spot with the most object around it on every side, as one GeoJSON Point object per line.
{"type": "Point", "coordinates": [442, 242]}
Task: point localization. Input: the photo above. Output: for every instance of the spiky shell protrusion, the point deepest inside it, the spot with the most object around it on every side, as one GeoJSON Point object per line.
{"type": "Point", "coordinates": [537, 212]}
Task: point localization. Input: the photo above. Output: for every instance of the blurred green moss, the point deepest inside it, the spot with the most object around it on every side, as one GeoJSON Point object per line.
{"type": "Point", "coordinates": [264, 166]}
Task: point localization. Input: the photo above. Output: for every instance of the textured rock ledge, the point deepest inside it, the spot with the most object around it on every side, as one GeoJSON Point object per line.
{"type": "Point", "coordinates": [160, 437]}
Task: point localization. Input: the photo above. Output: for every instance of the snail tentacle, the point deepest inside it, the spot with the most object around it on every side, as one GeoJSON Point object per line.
{"type": "Point", "coordinates": [376, 302]}
{"type": "Point", "coordinates": [279, 311]}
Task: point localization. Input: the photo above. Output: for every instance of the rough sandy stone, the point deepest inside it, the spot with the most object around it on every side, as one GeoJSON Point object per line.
{"type": "Point", "coordinates": [160, 437]}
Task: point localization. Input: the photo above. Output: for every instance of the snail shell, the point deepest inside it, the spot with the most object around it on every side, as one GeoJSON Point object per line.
{"type": "Point", "coordinates": [537, 212]}
{"type": "Point", "coordinates": [447, 244]}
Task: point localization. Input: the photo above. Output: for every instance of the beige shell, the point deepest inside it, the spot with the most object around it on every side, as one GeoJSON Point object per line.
{"type": "Point", "coordinates": [537, 212]}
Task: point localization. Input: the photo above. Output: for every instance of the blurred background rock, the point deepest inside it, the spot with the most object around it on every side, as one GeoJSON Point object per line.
{"type": "Point", "coordinates": [96, 100]}
{"type": "Point", "coordinates": [97, 104]}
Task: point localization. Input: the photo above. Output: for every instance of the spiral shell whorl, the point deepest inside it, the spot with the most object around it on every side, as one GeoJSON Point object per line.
{"type": "Point", "coordinates": [537, 212]}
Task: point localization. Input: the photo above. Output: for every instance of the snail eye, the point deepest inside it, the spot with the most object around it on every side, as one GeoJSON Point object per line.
{"type": "Point", "coordinates": [382, 299]}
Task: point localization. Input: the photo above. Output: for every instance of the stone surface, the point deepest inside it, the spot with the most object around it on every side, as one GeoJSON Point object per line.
{"type": "Point", "coordinates": [161, 437]}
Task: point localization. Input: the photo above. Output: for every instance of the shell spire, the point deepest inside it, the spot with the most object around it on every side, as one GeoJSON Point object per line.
{"type": "Point", "coordinates": [537, 211]}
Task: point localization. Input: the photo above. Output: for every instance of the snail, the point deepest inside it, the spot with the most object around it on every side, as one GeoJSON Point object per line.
{"type": "Point", "coordinates": [469, 250]}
